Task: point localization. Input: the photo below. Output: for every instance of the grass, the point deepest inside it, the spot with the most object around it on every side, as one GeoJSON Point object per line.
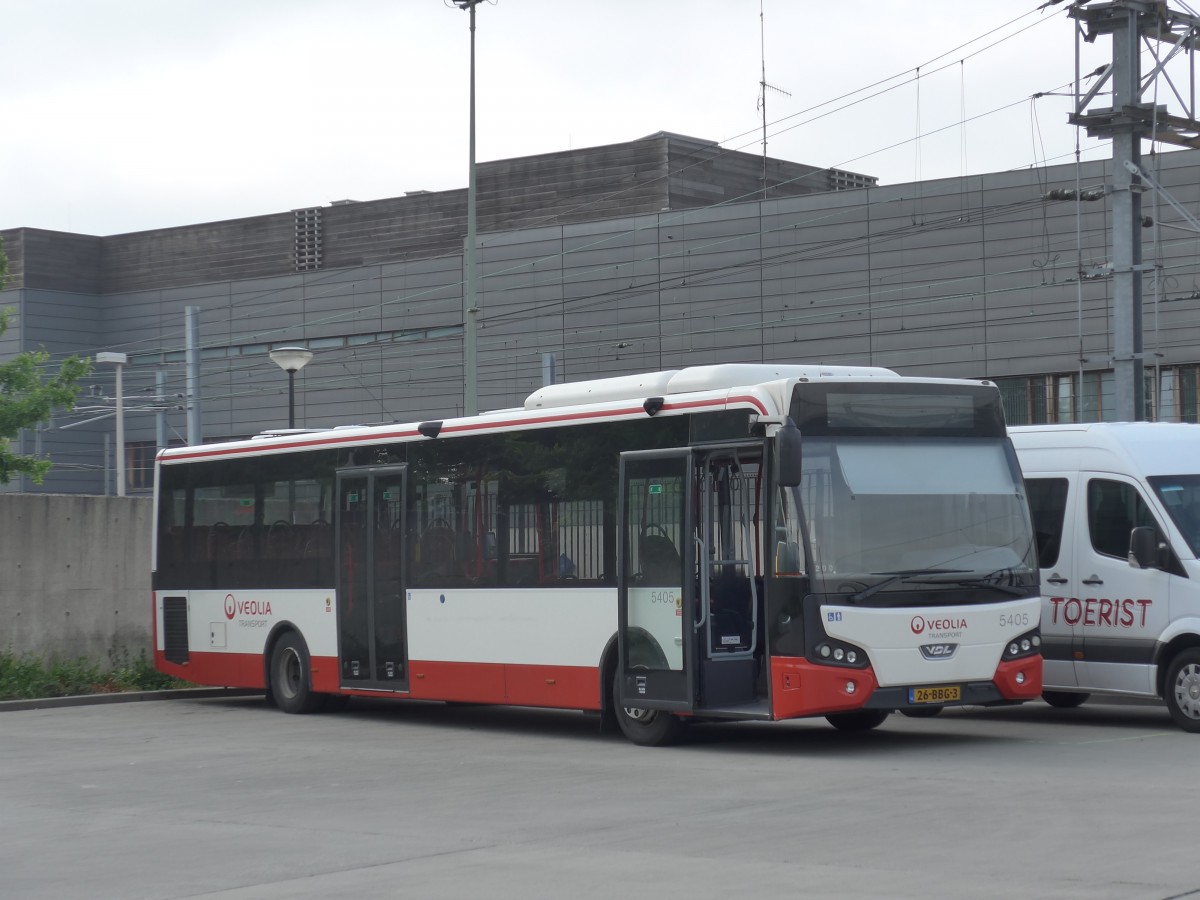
{"type": "Point", "coordinates": [29, 678]}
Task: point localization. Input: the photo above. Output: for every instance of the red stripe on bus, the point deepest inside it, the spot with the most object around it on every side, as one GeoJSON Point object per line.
{"type": "Point", "coordinates": [169, 457]}
{"type": "Point", "coordinates": [800, 688]}
{"type": "Point", "coordinates": [558, 687]}
{"type": "Point", "coordinates": [242, 670]}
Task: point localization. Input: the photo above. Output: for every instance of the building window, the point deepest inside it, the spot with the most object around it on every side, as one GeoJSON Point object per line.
{"type": "Point", "coordinates": [139, 465]}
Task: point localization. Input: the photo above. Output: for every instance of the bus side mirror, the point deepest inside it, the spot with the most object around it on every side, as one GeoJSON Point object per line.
{"type": "Point", "coordinates": [1143, 548]}
{"type": "Point", "coordinates": [787, 454]}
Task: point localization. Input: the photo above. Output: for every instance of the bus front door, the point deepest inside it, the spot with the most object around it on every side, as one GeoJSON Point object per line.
{"type": "Point", "coordinates": [372, 645]}
{"type": "Point", "coordinates": [656, 581]}
{"type": "Point", "coordinates": [690, 588]}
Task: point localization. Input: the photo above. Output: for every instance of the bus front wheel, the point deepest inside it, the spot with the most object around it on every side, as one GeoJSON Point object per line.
{"type": "Point", "coordinates": [1064, 699]}
{"type": "Point", "coordinates": [648, 727]}
{"type": "Point", "coordinates": [291, 676]}
{"type": "Point", "coordinates": [921, 712]}
{"type": "Point", "coordinates": [859, 720]}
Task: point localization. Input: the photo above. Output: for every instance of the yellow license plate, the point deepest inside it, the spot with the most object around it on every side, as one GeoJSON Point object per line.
{"type": "Point", "coordinates": [935, 694]}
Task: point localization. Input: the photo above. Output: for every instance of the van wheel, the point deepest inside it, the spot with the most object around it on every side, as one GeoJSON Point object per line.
{"type": "Point", "coordinates": [648, 727]}
{"type": "Point", "coordinates": [1064, 699]}
{"type": "Point", "coordinates": [1182, 690]}
{"type": "Point", "coordinates": [291, 676]}
{"type": "Point", "coordinates": [859, 720]}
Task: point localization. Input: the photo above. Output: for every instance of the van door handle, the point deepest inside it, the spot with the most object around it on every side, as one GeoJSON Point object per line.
{"type": "Point", "coordinates": [1095, 579]}
{"type": "Point", "coordinates": [1056, 579]}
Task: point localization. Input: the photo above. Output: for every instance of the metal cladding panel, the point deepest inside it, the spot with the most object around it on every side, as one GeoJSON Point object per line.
{"type": "Point", "coordinates": [965, 277]}
{"type": "Point", "coordinates": [60, 322]}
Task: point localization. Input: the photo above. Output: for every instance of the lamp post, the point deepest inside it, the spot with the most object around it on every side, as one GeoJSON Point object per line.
{"type": "Point", "coordinates": [291, 360]}
{"type": "Point", "coordinates": [119, 360]}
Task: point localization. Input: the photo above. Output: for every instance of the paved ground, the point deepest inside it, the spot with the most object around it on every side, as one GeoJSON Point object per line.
{"type": "Point", "coordinates": [227, 798]}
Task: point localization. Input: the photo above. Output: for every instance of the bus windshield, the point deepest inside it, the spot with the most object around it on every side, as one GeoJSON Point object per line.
{"type": "Point", "coordinates": [942, 510]}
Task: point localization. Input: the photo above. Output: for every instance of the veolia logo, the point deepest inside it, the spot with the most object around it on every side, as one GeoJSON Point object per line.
{"type": "Point", "coordinates": [917, 624]}
{"type": "Point", "coordinates": [230, 606]}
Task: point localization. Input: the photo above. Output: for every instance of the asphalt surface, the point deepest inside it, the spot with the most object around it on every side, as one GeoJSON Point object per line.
{"type": "Point", "coordinates": [224, 797]}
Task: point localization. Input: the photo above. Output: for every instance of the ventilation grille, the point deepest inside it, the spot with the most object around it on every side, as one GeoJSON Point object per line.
{"type": "Point", "coordinates": [308, 239]}
{"type": "Point", "coordinates": [175, 629]}
{"type": "Point", "coordinates": [840, 180]}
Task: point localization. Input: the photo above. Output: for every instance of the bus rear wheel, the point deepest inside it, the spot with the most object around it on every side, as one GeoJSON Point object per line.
{"type": "Point", "coordinates": [648, 727]}
{"type": "Point", "coordinates": [859, 720]}
{"type": "Point", "coordinates": [291, 676]}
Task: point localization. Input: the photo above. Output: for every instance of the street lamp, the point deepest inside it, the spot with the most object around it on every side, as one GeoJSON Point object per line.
{"type": "Point", "coordinates": [291, 360]}
{"type": "Point", "coordinates": [119, 360]}
{"type": "Point", "coordinates": [470, 294]}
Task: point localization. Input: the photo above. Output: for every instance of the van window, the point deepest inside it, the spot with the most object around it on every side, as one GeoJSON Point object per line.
{"type": "Point", "coordinates": [1180, 495]}
{"type": "Point", "coordinates": [1114, 510]}
{"type": "Point", "coordinates": [1047, 507]}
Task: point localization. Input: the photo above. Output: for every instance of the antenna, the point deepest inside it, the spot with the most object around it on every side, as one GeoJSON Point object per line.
{"type": "Point", "coordinates": [763, 88]}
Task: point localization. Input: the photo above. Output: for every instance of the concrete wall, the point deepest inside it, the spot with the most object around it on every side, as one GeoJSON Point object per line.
{"type": "Point", "coordinates": [75, 576]}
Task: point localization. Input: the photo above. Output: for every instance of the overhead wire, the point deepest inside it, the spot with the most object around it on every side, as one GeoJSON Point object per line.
{"type": "Point", "coordinates": [512, 315]}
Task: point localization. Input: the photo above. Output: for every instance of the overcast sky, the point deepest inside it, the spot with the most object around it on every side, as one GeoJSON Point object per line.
{"type": "Point", "coordinates": [126, 115]}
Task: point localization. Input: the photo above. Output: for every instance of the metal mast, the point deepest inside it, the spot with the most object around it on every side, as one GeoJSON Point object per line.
{"type": "Point", "coordinates": [763, 88]}
{"type": "Point", "coordinates": [1165, 34]}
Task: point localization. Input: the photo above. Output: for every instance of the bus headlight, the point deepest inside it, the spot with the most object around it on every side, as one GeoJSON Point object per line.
{"type": "Point", "coordinates": [839, 653]}
{"type": "Point", "coordinates": [1028, 644]}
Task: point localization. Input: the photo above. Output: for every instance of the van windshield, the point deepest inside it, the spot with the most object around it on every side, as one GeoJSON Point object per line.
{"type": "Point", "coordinates": [1180, 496]}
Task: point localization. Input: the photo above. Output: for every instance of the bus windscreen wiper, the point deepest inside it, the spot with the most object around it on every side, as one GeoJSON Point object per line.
{"type": "Point", "coordinates": [993, 580]}
{"type": "Point", "coordinates": [906, 575]}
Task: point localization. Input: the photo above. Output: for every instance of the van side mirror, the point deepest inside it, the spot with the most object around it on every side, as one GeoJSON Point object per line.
{"type": "Point", "coordinates": [1144, 548]}
{"type": "Point", "coordinates": [788, 454]}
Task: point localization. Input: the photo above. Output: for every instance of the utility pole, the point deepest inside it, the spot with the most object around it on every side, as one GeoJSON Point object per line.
{"type": "Point", "coordinates": [1130, 120]}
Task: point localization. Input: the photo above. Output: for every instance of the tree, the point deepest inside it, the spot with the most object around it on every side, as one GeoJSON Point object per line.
{"type": "Point", "coordinates": [29, 397]}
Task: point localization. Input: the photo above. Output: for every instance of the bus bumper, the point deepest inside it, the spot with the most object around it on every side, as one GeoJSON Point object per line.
{"type": "Point", "coordinates": [800, 688]}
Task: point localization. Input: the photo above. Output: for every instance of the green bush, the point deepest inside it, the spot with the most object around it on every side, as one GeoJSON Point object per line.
{"type": "Point", "coordinates": [27, 678]}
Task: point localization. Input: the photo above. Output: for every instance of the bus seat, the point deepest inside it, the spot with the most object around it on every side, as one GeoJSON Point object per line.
{"type": "Point", "coordinates": [659, 560]}
{"type": "Point", "coordinates": [436, 553]}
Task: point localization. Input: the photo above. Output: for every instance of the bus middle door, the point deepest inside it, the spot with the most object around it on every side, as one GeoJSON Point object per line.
{"type": "Point", "coordinates": [370, 529]}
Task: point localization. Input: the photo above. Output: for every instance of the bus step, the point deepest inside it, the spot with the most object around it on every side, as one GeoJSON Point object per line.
{"type": "Point", "coordinates": [759, 709]}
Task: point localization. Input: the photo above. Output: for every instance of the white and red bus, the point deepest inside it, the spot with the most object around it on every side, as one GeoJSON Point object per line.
{"type": "Point", "coordinates": [720, 542]}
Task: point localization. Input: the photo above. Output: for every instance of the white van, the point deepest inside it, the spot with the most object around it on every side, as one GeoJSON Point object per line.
{"type": "Point", "coordinates": [1116, 508]}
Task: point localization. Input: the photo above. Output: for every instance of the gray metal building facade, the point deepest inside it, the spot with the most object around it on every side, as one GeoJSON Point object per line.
{"type": "Point", "coordinates": [654, 254]}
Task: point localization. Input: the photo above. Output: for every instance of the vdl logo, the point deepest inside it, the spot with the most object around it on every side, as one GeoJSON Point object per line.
{"type": "Point", "coordinates": [938, 651]}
